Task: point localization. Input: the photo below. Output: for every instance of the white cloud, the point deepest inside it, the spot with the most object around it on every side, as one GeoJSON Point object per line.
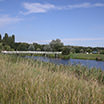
{"type": "Point", "coordinates": [42, 8]}
{"type": "Point", "coordinates": [99, 5]}
{"type": "Point", "coordinates": [84, 42]}
{"type": "Point", "coordinates": [79, 42]}
{"type": "Point", "coordinates": [37, 7]}
{"type": "Point", "coordinates": [82, 39]}
{"type": "Point", "coordinates": [83, 5]}
{"type": "Point", "coordinates": [5, 20]}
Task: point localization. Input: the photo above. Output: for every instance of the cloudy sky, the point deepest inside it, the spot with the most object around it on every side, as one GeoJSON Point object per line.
{"type": "Point", "coordinates": [75, 22]}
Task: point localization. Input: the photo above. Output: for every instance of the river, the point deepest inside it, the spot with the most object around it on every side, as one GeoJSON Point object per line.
{"type": "Point", "coordinates": [88, 63]}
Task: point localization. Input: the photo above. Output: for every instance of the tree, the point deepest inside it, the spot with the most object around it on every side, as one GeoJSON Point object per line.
{"type": "Point", "coordinates": [7, 48]}
{"type": "Point", "coordinates": [5, 39]}
{"type": "Point", "coordinates": [1, 47]}
{"type": "Point", "coordinates": [56, 45]}
{"type": "Point", "coordinates": [66, 51]}
{"type": "Point", "coordinates": [38, 49]}
{"type": "Point", "coordinates": [89, 50]}
{"type": "Point", "coordinates": [72, 50]}
{"type": "Point", "coordinates": [31, 47]}
{"type": "Point", "coordinates": [13, 38]}
{"type": "Point", "coordinates": [36, 45]}
{"type": "Point", "coordinates": [47, 48]}
{"type": "Point", "coordinates": [11, 41]}
{"type": "Point", "coordinates": [0, 38]}
{"type": "Point", "coordinates": [101, 51]}
{"type": "Point", "coordinates": [77, 50]}
{"type": "Point", "coordinates": [81, 51]}
{"type": "Point", "coordinates": [23, 47]}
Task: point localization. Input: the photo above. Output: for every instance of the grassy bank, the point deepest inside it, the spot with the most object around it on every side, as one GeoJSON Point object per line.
{"type": "Point", "coordinates": [87, 56]}
{"type": "Point", "coordinates": [99, 57]}
{"type": "Point", "coordinates": [24, 81]}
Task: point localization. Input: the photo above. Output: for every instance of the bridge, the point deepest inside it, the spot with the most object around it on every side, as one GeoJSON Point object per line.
{"type": "Point", "coordinates": [30, 52]}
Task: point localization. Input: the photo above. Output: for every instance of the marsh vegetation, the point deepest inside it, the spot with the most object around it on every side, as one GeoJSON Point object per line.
{"type": "Point", "coordinates": [25, 81]}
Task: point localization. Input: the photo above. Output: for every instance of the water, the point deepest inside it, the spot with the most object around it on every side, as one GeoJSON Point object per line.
{"type": "Point", "coordinates": [88, 63]}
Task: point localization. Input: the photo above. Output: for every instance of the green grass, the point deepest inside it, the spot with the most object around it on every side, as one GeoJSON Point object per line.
{"type": "Point", "coordinates": [24, 81]}
{"type": "Point", "coordinates": [87, 56]}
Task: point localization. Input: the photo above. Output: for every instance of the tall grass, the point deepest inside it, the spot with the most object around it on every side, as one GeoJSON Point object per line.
{"type": "Point", "coordinates": [24, 81]}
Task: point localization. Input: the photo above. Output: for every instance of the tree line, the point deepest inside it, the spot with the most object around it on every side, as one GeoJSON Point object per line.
{"type": "Point", "coordinates": [7, 43]}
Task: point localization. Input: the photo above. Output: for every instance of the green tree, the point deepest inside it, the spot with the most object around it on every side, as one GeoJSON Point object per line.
{"type": "Point", "coordinates": [72, 50]}
{"type": "Point", "coordinates": [5, 39]}
{"type": "Point", "coordinates": [31, 47]}
{"type": "Point", "coordinates": [0, 38]}
{"type": "Point", "coordinates": [38, 49]}
{"type": "Point", "coordinates": [56, 45]}
{"type": "Point", "coordinates": [36, 45]}
{"type": "Point", "coordinates": [1, 47]}
{"type": "Point", "coordinates": [47, 48]}
{"type": "Point", "coordinates": [89, 50]}
{"type": "Point", "coordinates": [13, 38]}
{"type": "Point", "coordinates": [11, 41]}
{"type": "Point", "coordinates": [77, 50]}
{"type": "Point", "coordinates": [82, 51]}
{"type": "Point", "coordinates": [23, 47]}
{"type": "Point", "coordinates": [66, 51]}
{"type": "Point", "coordinates": [101, 51]}
{"type": "Point", "coordinates": [7, 48]}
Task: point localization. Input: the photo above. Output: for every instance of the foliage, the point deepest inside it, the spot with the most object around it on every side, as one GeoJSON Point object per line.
{"type": "Point", "coordinates": [72, 50]}
{"type": "Point", "coordinates": [37, 46]}
{"type": "Point", "coordinates": [82, 51]}
{"type": "Point", "coordinates": [101, 51]}
{"type": "Point", "coordinates": [1, 47]}
{"type": "Point", "coordinates": [7, 42]}
{"type": "Point", "coordinates": [5, 39]}
{"type": "Point", "coordinates": [0, 38]}
{"type": "Point", "coordinates": [66, 51]}
{"type": "Point", "coordinates": [56, 45]}
{"type": "Point", "coordinates": [7, 48]}
{"type": "Point", "coordinates": [23, 47]}
{"type": "Point", "coordinates": [38, 49]}
{"type": "Point", "coordinates": [47, 48]}
{"type": "Point", "coordinates": [31, 47]}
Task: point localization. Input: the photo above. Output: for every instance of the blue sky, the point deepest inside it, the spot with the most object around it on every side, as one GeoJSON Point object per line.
{"type": "Point", "coordinates": [75, 22]}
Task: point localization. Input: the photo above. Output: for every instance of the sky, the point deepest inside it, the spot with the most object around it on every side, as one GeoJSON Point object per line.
{"type": "Point", "coordinates": [75, 22]}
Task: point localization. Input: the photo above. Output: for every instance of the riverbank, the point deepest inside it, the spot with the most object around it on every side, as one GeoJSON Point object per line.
{"type": "Point", "coordinates": [24, 81]}
{"type": "Point", "coordinates": [86, 63]}
{"type": "Point", "coordinates": [99, 57]}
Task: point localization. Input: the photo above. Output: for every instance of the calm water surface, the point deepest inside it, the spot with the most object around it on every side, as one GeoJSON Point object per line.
{"type": "Point", "coordinates": [88, 63]}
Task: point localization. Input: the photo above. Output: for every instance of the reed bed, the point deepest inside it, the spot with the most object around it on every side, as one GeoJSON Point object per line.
{"type": "Point", "coordinates": [25, 81]}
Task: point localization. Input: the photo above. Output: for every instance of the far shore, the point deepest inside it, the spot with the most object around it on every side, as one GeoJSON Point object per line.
{"type": "Point", "coordinates": [98, 57]}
